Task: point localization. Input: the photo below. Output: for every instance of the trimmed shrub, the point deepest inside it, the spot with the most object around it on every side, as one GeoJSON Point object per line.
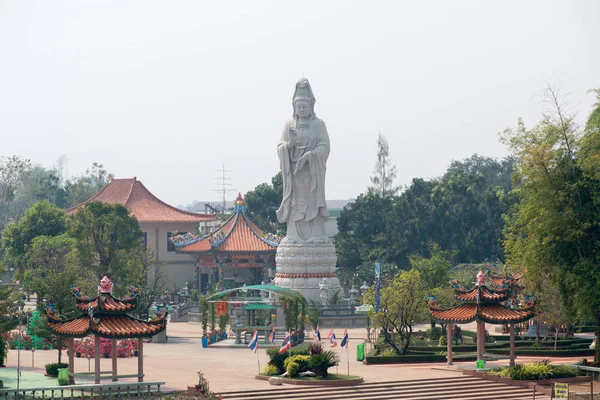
{"type": "Point", "coordinates": [277, 359]}
{"type": "Point", "coordinates": [434, 333]}
{"type": "Point", "coordinates": [52, 369]}
{"type": "Point", "coordinates": [537, 371]}
{"type": "Point", "coordinates": [443, 341]}
{"type": "Point", "coordinates": [299, 359]}
{"type": "Point", "coordinates": [270, 370]}
{"type": "Point", "coordinates": [292, 369]}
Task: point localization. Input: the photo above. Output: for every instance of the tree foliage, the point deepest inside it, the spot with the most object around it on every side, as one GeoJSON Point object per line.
{"type": "Point", "coordinates": [41, 219]}
{"type": "Point", "coordinates": [402, 303]}
{"type": "Point", "coordinates": [82, 188]}
{"type": "Point", "coordinates": [384, 173]}
{"type": "Point", "coordinates": [263, 202]}
{"type": "Point", "coordinates": [106, 235]}
{"type": "Point", "coordinates": [554, 229]}
{"type": "Point", "coordinates": [8, 305]}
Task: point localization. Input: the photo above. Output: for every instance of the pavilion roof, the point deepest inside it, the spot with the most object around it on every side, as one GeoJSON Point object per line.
{"type": "Point", "coordinates": [142, 204]}
{"type": "Point", "coordinates": [481, 294]}
{"type": "Point", "coordinates": [237, 235]}
{"type": "Point", "coordinates": [484, 304]}
{"type": "Point", "coordinates": [490, 313]}
{"type": "Point", "coordinates": [105, 316]}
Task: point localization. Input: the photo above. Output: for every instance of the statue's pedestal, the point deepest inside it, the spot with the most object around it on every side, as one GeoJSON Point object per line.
{"type": "Point", "coordinates": [303, 266]}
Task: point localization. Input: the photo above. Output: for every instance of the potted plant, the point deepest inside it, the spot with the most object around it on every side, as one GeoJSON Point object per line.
{"type": "Point", "coordinates": [213, 321]}
{"type": "Point", "coordinates": [204, 321]}
{"type": "Point", "coordinates": [223, 320]}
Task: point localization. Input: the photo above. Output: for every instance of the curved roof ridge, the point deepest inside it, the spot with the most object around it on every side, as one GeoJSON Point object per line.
{"type": "Point", "coordinates": [99, 194]}
{"type": "Point", "coordinates": [153, 197]}
{"type": "Point", "coordinates": [233, 224]}
{"type": "Point", "coordinates": [259, 233]}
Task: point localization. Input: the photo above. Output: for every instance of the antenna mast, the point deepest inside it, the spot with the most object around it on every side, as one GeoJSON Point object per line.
{"type": "Point", "coordinates": [224, 185]}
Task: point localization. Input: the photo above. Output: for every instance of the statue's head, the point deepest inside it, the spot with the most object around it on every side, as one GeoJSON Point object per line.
{"type": "Point", "coordinates": [303, 100]}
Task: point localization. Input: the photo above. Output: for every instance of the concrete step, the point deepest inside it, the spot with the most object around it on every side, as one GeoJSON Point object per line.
{"type": "Point", "coordinates": [455, 388]}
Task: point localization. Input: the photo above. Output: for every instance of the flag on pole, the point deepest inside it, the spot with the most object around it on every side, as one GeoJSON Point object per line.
{"type": "Point", "coordinates": [333, 341]}
{"type": "Point", "coordinates": [286, 345]}
{"type": "Point", "coordinates": [317, 335]}
{"type": "Point", "coordinates": [377, 269]}
{"type": "Point", "coordinates": [330, 334]}
{"type": "Point", "coordinates": [254, 341]}
{"type": "Point", "coordinates": [272, 336]}
{"type": "Point", "coordinates": [345, 339]}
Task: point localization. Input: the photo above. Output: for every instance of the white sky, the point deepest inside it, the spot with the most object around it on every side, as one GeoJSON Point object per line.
{"type": "Point", "coordinates": [169, 91]}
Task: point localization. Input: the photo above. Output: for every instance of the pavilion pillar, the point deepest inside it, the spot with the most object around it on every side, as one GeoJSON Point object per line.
{"type": "Point", "coordinates": [97, 358]}
{"type": "Point", "coordinates": [512, 344]}
{"type": "Point", "coordinates": [71, 347]}
{"type": "Point", "coordinates": [449, 340]}
{"type": "Point", "coordinates": [140, 359]}
{"type": "Point", "coordinates": [114, 360]}
{"type": "Point", "coordinates": [482, 339]}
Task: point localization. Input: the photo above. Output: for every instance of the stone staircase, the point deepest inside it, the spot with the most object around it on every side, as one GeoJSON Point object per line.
{"type": "Point", "coordinates": [453, 388]}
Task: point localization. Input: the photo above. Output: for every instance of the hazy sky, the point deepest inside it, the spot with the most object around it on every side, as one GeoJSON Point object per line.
{"type": "Point", "coordinates": [169, 91]}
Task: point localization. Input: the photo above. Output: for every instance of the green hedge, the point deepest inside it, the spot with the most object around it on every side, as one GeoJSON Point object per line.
{"type": "Point", "coordinates": [546, 352]}
{"type": "Point", "coordinates": [410, 357]}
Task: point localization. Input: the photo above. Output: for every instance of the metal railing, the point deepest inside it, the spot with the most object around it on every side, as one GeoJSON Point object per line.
{"type": "Point", "coordinates": [102, 389]}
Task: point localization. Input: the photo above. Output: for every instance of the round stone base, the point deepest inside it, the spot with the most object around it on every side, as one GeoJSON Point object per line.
{"type": "Point", "coordinates": [304, 267]}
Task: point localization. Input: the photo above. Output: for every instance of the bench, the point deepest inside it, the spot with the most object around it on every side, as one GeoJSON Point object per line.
{"type": "Point", "coordinates": [117, 389]}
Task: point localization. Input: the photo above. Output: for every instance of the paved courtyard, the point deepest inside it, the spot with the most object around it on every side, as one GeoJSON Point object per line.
{"type": "Point", "coordinates": [178, 361]}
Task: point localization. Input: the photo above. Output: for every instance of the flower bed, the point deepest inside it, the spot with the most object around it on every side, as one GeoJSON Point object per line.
{"type": "Point", "coordinates": [86, 347]}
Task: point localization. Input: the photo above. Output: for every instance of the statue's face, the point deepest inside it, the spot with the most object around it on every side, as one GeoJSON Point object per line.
{"type": "Point", "coordinates": [302, 108]}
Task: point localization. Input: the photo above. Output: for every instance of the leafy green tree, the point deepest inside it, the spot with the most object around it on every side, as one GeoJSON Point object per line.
{"type": "Point", "coordinates": [13, 171]}
{"type": "Point", "coordinates": [263, 202]}
{"type": "Point", "coordinates": [106, 234]}
{"type": "Point", "coordinates": [54, 269]}
{"type": "Point", "coordinates": [402, 303]}
{"type": "Point", "coordinates": [382, 181]}
{"type": "Point", "coordinates": [41, 219]}
{"type": "Point", "coordinates": [8, 305]}
{"type": "Point", "coordinates": [554, 230]}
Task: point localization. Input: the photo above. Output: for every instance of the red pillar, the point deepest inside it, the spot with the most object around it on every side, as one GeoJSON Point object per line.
{"type": "Point", "coordinates": [140, 359]}
{"type": "Point", "coordinates": [512, 344]}
{"type": "Point", "coordinates": [71, 346]}
{"type": "Point", "coordinates": [114, 360]}
{"type": "Point", "coordinates": [97, 358]}
{"type": "Point", "coordinates": [449, 339]}
{"type": "Point", "coordinates": [482, 339]}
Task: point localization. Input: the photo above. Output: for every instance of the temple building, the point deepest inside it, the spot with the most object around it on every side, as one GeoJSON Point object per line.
{"type": "Point", "coordinates": [236, 253]}
{"type": "Point", "coordinates": [496, 304]}
{"type": "Point", "coordinates": [158, 221]}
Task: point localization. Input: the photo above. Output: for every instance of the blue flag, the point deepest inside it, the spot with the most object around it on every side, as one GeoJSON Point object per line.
{"type": "Point", "coordinates": [377, 269]}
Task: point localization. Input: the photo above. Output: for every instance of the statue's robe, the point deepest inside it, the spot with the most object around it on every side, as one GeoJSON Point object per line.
{"type": "Point", "coordinates": [303, 201]}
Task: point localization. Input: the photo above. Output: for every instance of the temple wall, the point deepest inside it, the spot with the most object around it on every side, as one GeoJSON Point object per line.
{"type": "Point", "coordinates": [178, 267]}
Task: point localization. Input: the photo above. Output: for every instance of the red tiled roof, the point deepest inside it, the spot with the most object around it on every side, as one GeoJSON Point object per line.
{"type": "Point", "coordinates": [485, 294]}
{"type": "Point", "coordinates": [142, 203]}
{"type": "Point", "coordinates": [490, 313]}
{"type": "Point", "coordinates": [108, 326]}
{"type": "Point", "coordinates": [238, 234]}
{"type": "Point", "coordinates": [107, 303]}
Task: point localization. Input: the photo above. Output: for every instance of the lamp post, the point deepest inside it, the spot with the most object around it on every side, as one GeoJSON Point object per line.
{"type": "Point", "coordinates": [365, 288]}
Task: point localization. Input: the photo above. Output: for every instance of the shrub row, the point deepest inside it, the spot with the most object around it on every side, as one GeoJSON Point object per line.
{"type": "Point", "coordinates": [546, 352]}
{"type": "Point", "coordinates": [411, 357]}
{"type": "Point", "coordinates": [537, 371]}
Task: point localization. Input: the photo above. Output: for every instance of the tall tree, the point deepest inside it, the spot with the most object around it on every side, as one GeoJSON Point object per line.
{"type": "Point", "coordinates": [41, 219]}
{"type": "Point", "coordinates": [553, 230]}
{"type": "Point", "coordinates": [106, 235]}
{"type": "Point", "coordinates": [382, 181]}
{"type": "Point", "coordinates": [263, 202]}
{"type": "Point", "coordinates": [54, 269]}
{"type": "Point", "coordinates": [13, 171]}
{"type": "Point", "coordinates": [8, 306]}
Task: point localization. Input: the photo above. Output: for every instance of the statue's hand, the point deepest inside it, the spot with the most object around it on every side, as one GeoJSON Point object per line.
{"type": "Point", "coordinates": [301, 161]}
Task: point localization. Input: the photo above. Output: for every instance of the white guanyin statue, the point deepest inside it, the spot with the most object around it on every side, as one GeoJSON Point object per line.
{"type": "Point", "coordinates": [303, 152]}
